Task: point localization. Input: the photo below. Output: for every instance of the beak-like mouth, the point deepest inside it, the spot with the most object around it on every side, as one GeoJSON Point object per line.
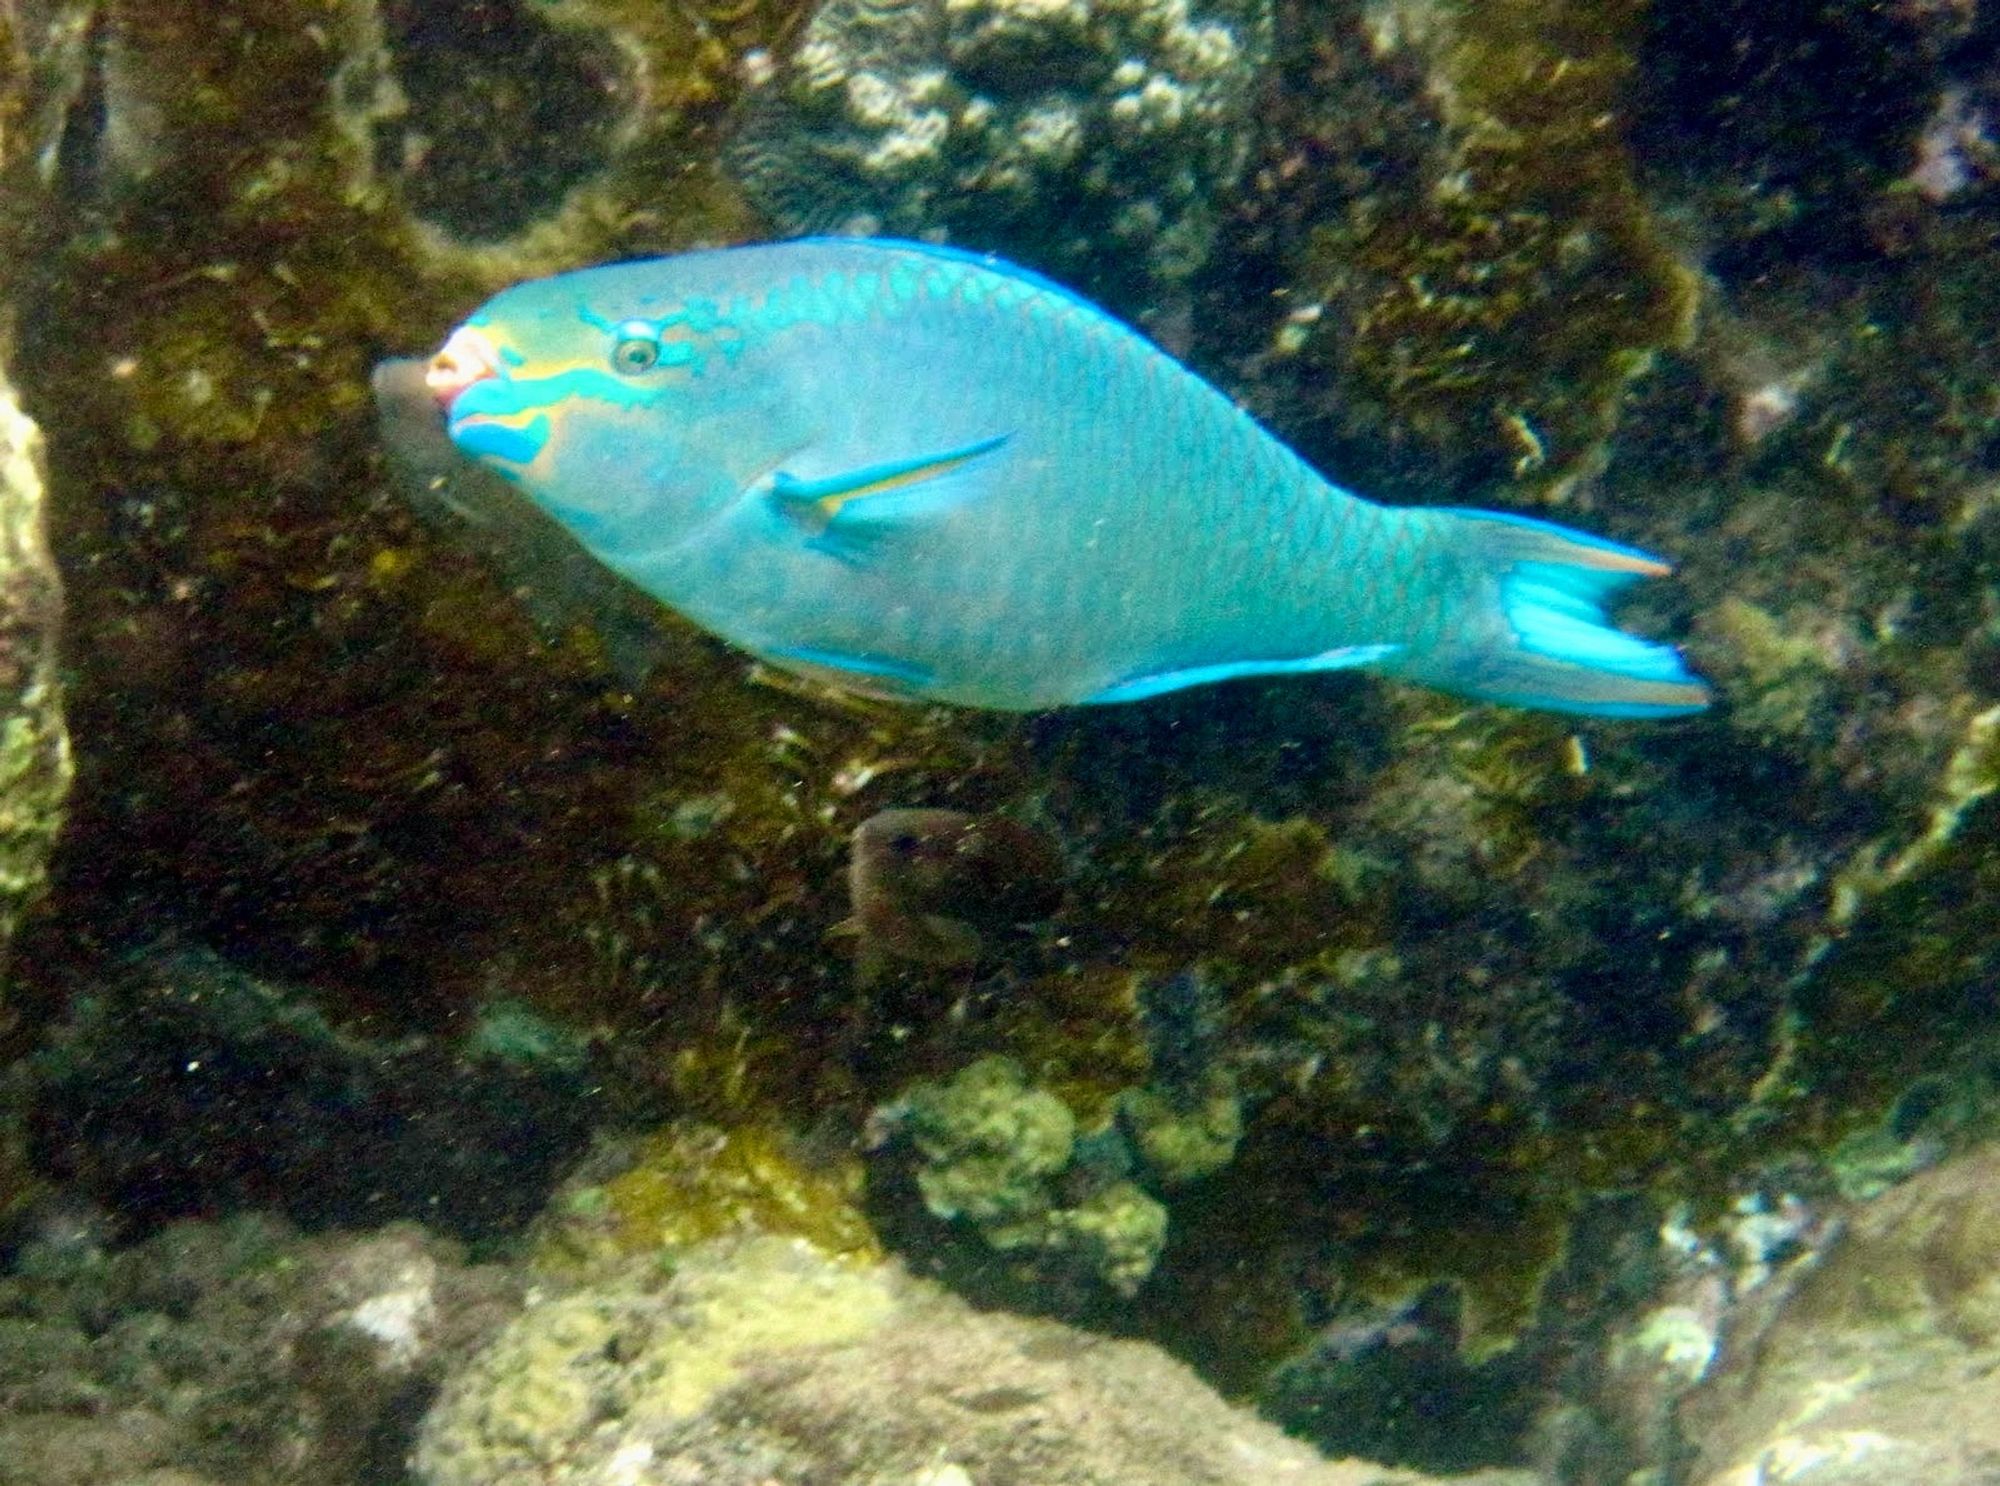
{"type": "Point", "coordinates": [487, 414]}
{"type": "Point", "coordinates": [468, 356]}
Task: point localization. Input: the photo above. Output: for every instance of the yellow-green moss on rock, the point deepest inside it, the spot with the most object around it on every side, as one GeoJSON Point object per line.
{"type": "Point", "coordinates": [35, 769]}
{"type": "Point", "coordinates": [690, 1183]}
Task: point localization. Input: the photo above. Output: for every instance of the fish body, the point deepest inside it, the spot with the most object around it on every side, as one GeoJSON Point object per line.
{"type": "Point", "coordinates": [924, 474]}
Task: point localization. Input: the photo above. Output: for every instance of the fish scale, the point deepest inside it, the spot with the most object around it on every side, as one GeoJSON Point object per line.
{"type": "Point", "coordinates": [921, 473]}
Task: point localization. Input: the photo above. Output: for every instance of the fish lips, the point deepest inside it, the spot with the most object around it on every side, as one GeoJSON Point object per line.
{"type": "Point", "coordinates": [467, 358]}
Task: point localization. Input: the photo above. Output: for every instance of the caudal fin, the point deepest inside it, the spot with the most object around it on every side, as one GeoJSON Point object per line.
{"type": "Point", "coordinates": [1533, 632]}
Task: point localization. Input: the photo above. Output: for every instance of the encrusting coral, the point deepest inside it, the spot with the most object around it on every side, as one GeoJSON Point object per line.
{"type": "Point", "coordinates": [989, 120]}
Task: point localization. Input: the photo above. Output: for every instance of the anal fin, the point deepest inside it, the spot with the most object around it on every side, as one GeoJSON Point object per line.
{"type": "Point", "coordinates": [1158, 683]}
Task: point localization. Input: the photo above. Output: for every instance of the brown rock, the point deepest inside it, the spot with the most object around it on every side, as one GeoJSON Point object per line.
{"type": "Point", "coordinates": [1883, 1368]}
{"type": "Point", "coordinates": [762, 1362]}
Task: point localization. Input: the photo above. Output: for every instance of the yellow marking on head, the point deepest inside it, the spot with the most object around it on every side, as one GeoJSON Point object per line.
{"type": "Point", "coordinates": [520, 419]}
{"type": "Point", "coordinates": [542, 371]}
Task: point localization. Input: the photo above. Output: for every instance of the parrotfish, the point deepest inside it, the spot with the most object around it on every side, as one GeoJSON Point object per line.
{"type": "Point", "coordinates": [921, 473]}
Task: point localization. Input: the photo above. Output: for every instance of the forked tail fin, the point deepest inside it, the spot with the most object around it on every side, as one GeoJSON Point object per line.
{"type": "Point", "coordinates": [1532, 631]}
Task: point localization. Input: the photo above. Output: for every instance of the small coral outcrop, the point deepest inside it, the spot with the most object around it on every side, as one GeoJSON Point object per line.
{"type": "Point", "coordinates": [1002, 1155]}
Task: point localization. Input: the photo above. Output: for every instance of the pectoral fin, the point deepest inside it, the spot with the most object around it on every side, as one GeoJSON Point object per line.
{"type": "Point", "coordinates": [849, 513]}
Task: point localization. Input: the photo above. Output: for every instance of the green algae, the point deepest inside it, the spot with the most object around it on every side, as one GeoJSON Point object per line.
{"type": "Point", "coordinates": [690, 1183]}
{"type": "Point", "coordinates": [989, 1141]}
{"type": "Point", "coordinates": [1503, 305]}
{"type": "Point", "coordinates": [1901, 989]}
{"type": "Point", "coordinates": [1182, 1140]}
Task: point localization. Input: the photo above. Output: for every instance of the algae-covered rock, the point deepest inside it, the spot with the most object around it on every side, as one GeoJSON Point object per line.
{"type": "Point", "coordinates": [239, 1352]}
{"type": "Point", "coordinates": [181, 1085]}
{"type": "Point", "coordinates": [766, 1362]}
{"type": "Point", "coordinates": [1187, 1120]}
{"type": "Point", "coordinates": [34, 744]}
{"type": "Point", "coordinates": [1786, 124]}
{"type": "Point", "coordinates": [692, 1183]}
{"type": "Point", "coordinates": [1490, 288]}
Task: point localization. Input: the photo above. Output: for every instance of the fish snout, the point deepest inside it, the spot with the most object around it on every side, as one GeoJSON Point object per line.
{"type": "Point", "coordinates": [467, 356]}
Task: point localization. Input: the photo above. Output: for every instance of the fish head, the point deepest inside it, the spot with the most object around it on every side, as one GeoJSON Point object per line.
{"type": "Point", "coordinates": [614, 402]}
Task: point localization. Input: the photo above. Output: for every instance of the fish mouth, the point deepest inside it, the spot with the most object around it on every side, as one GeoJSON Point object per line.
{"type": "Point", "coordinates": [467, 357]}
{"type": "Point", "coordinates": [483, 413]}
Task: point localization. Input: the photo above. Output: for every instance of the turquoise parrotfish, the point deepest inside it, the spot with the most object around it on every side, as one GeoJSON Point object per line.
{"type": "Point", "coordinates": [917, 472]}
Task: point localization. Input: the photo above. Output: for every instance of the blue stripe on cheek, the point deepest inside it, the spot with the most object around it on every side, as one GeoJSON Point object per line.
{"type": "Point", "coordinates": [481, 439]}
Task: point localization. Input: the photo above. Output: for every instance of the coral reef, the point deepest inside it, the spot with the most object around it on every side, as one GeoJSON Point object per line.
{"type": "Point", "coordinates": [764, 1361]}
{"type": "Point", "coordinates": [528, 136]}
{"type": "Point", "coordinates": [995, 120]}
{"type": "Point", "coordinates": [1354, 997]}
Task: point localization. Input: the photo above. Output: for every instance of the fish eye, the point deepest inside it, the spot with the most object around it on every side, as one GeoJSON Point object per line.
{"type": "Point", "coordinates": [636, 350]}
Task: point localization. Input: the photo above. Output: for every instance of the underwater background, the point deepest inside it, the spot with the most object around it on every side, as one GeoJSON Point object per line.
{"type": "Point", "coordinates": [464, 1025]}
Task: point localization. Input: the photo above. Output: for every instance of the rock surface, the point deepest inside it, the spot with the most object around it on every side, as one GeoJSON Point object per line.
{"type": "Point", "coordinates": [761, 1362]}
{"type": "Point", "coordinates": [1880, 1369]}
